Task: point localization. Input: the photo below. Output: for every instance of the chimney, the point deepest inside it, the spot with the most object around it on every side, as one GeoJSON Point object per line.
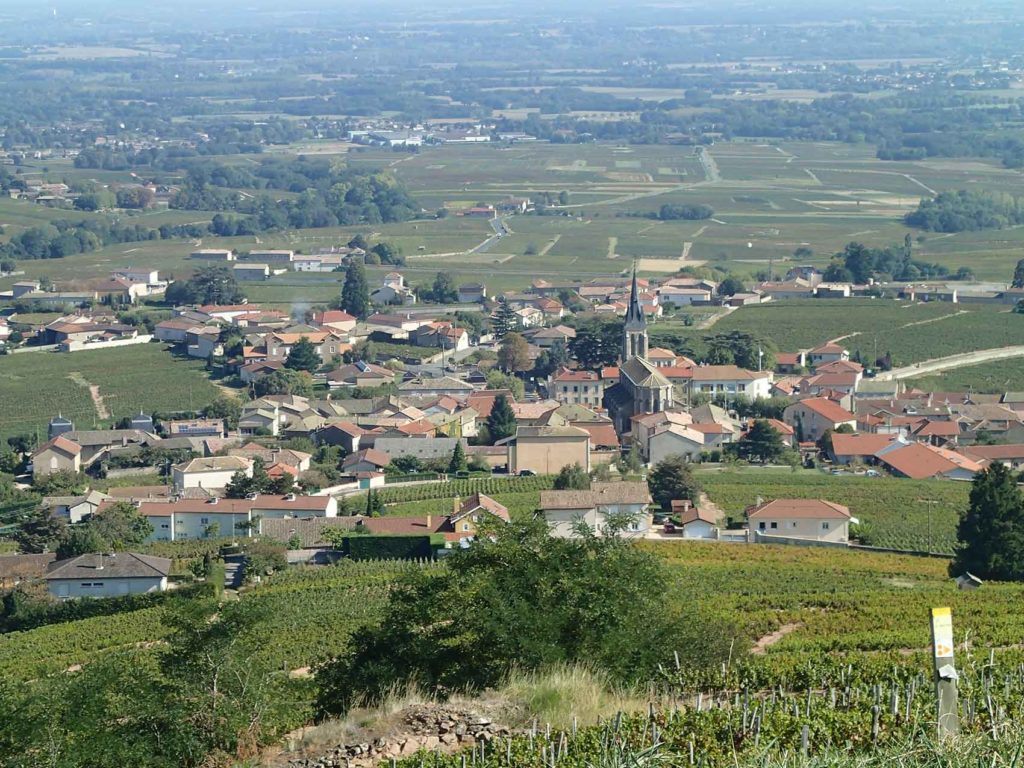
{"type": "Point", "coordinates": [430, 520]}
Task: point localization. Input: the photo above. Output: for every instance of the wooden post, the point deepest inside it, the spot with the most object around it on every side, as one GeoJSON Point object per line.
{"type": "Point", "coordinates": [945, 672]}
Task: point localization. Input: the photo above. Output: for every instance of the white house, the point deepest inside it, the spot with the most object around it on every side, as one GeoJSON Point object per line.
{"type": "Point", "coordinates": [199, 519]}
{"type": "Point", "coordinates": [682, 297]}
{"type": "Point", "coordinates": [815, 519]}
{"type": "Point", "coordinates": [107, 575]}
{"type": "Point", "coordinates": [570, 387]}
{"type": "Point", "coordinates": [673, 440]}
{"type": "Point", "coordinates": [695, 523]}
{"type": "Point", "coordinates": [730, 381]}
{"type": "Point", "coordinates": [813, 416]}
{"type": "Point", "coordinates": [210, 473]}
{"type": "Point", "coordinates": [564, 511]}
{"type": "Point", "coordinates": [829, 352]}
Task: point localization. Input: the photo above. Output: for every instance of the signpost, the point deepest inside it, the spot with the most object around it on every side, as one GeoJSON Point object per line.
{"type": "Point", "coordinates": [945, 672]}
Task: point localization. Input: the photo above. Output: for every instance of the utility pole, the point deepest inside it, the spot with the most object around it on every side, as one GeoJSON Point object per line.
{"type": "Point", "coordinates": [931, 505]}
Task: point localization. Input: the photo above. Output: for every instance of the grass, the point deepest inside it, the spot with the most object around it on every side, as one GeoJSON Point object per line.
{"type": "Point", "coordinates": [130, 379]}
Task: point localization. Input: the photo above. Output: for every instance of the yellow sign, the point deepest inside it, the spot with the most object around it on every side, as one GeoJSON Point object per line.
{"type": "Point", "coordinates": [942, 633]}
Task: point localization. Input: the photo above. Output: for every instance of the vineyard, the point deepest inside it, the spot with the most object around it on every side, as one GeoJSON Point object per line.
{"type": "Point", "coordinates": [55, 648]}
{"type": "Point", "coordinates": [490, 486]}
{"type": "Point", "coordinates": [794, 325]}
{"type": "Point", "coordinates": [911, 332]}
{"type": "Point", "coordinates": [310, 614]}
{"type": "Point", "coordinates": [852, 674]}
{"type": "Point", "coordinates": [520, 505]}
{"type": "Point", "coordinates": [130, 379]}
{"type": "Point", "coordinates": [995, 377]}
{"type": "Point", "coordinates": [893, 511]}
{"type": "Point", "coordinates": [851, 724]}
{"type": "Point", "coordinates": [312, 611]}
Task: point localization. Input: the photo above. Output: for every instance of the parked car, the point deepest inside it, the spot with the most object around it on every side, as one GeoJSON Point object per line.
{"type": "Point", "coordinates": [527, 473]}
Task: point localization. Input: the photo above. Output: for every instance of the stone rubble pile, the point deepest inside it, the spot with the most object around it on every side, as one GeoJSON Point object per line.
{"type": "Point", "coordinates": [427, 727]}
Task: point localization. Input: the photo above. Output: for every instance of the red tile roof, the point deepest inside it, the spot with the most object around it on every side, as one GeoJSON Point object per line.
{"type": "Point", "coordinates": [601, 435]}
{"type": "Point", "coordinates": [61, 444]}
{"type": "Point", "coordinates": [567, 374]}
{"type": "Point", "coordinates": [866, 444]}
{"type": "Point", "coordinates": [371, 455]}
{"type": "Point", "coordinates": [828, 410]}
{"type": "Point", "coordinates": [918, 461]}
{"type": "Point", "coordinates": [801, 509]}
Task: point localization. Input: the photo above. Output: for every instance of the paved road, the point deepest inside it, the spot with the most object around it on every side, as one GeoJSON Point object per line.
{"type": "Point", "coordinates": [500, 230]}
{"type": "Point", "coordinates": [939, 364]}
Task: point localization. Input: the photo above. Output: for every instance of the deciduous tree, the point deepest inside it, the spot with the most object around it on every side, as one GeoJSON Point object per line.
{"type": "Point", "coordinates": [673, 479]}
{"type": "Point", "coordinates": [514, 353]}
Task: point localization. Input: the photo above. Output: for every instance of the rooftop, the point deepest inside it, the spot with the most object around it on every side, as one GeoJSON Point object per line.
{"type": "Point", "coordinates": [600, 494]}
{"type": "Point", "coordinates": [813, 509]}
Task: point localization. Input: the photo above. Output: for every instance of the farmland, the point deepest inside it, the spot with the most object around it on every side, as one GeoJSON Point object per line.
{"type": "Point", "coordinates": [992, 378]}
{"type": "Point", "coordinates": [768, 198]}
{"type": "Point", "coordinates": [36, 385]}
{"type": "Point", "coordinates": [892, 511]}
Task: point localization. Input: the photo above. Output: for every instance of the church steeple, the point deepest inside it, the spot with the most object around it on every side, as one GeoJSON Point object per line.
{"type": "Point", "coordinates": [634, 341]}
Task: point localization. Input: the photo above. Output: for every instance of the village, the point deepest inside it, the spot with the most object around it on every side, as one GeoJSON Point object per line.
{"type": "Point", "coordinates": [412, 394]}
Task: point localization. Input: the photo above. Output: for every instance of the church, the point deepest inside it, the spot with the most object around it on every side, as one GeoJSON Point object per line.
{"type": "Point", "coordinates": [642, 388]}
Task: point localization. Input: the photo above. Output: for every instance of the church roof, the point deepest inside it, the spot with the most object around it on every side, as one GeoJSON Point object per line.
{"type": "Point", "coordinates": [642, 374]}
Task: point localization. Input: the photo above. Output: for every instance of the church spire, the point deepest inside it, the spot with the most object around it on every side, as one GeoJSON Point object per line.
{"type": "Point", "coordinates": [635, 314]}
{"type": "Point", "coordinates": [634, 331]}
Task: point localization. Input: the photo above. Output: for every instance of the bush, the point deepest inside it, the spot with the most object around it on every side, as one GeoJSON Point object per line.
{"type": "Point", "coordinates": [388, 547]}
{"type": "Point", "coordinates": [525, 600]}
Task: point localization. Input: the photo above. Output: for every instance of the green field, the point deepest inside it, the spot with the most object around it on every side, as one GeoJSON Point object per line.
{"type": "Point", "coordinates": [35, 386]}
{"type": "Point", "coordinates": [768, 198]}
{"type": "Point", "coordinates": [891, 509]}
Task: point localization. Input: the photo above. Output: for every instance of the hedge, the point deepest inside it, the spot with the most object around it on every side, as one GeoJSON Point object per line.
{"type": "Point", "coordinates": [20, 615]}
{"type": "Point", "coordinates": [388, 548]}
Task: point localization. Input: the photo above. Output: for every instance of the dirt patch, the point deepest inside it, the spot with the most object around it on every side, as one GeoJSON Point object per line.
{"type": "Point", "coordinates": [612, 243]}
{"type": "Point", "coordinates": [766, 642]}
{"type": "Point", "coordinates": [94, 393]}
{"type": "Point", "coordinates": [667, 265]}
{"type": "Point", "coordinates": [549, 246]}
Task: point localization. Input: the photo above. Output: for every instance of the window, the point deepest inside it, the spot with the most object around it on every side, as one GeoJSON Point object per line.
{"type": "Point", "coordinates": [792, 523]}
{"type": "Point", "coordinates": [204, 520]}
{"type": "Point", "coordinates": [761, 526]}
{"type": "Point", "coordinates": [575, 389]}
{"type": "Point", "coordinates": [774, 526]}
{"type": "Point", "coordinates": [824, 525]}
{"type": "Point", "coordinates": [165, 525]}
{"type": "Point", "coordinates": [465, 526]}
